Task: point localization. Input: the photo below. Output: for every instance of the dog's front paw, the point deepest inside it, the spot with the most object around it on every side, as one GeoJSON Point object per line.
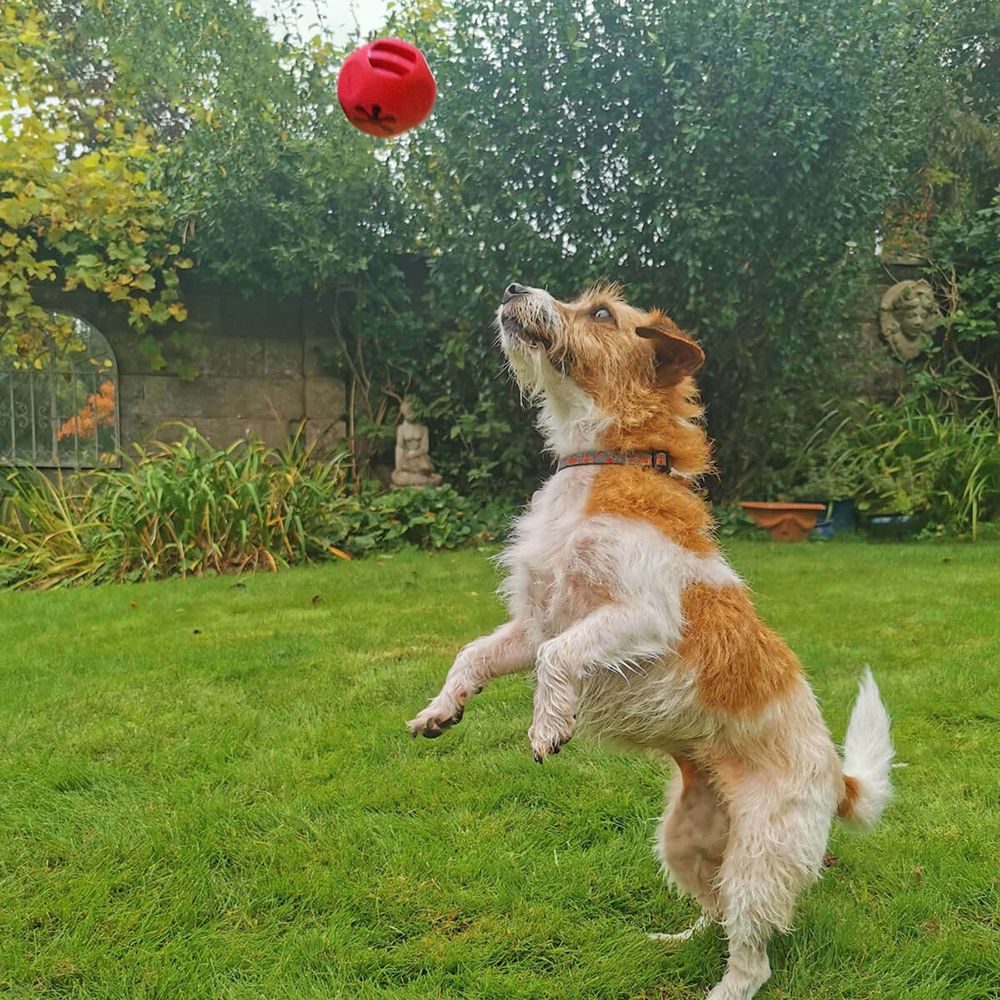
{"type": "Point", "coordinates": [443, 712]}
{"type": "Point", "coordinates": [549, 735]}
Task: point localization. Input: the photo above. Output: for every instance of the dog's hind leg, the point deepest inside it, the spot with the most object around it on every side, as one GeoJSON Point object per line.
{"type": "Point", "coordinates": [690, 842]}
{"type": "Point", "coordinates": [778, 828]}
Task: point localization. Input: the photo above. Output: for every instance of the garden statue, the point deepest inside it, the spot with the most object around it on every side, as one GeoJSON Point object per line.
{"type": "Point", "coordinates": [908, 316]}
{"type": "Point", "coordinates": [413, 460]}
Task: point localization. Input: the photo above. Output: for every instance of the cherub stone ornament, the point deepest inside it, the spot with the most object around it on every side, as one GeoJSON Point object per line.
{"type": "Point", "coordinates": [908, 316]}
{"type": "Point", "coordinates": [413, 461]}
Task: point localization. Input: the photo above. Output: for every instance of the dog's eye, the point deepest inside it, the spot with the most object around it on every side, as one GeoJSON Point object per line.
{"type": "Point", "coordinates": [602, 313]}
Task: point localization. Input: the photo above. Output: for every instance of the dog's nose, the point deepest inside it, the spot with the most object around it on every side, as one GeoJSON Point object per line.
{"type": "Point", "coordinates": [511, 290]}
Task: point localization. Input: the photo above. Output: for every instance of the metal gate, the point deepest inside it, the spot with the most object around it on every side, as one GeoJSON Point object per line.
{"type": "Point", "coordinates": [62, 409]}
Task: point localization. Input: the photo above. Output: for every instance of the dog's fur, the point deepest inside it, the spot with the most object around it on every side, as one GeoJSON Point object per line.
{"type": "Point", "coordinates": [637, 627]}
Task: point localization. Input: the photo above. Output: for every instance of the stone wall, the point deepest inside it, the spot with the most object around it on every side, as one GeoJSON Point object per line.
{"type": "Point", "coordinates": [260, 370]}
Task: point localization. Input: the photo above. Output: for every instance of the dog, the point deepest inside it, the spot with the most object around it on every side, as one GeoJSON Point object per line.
{"type": "Point", "coordinates": [638, 629]}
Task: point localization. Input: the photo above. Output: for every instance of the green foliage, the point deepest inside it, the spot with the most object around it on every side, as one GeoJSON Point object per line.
{"type": "Point", "coordinates": [188, 509]}
{"type": "Point", "coordinates": [436, 518]}
{"type": "Point", "coordinates": [962, 370]}
{"type": "Point", "coordinates": [726, 161]}
{"type": "Point", "coordinates": [78, 200]}
{"type": "Point", "coordinates": [956, 169]}
{"type": "Point", "coordinates": [730, 162]}
{"type": "Point", "coordinates": [909, 458]}
{"type": "Point", "coordinates": [732, 521]}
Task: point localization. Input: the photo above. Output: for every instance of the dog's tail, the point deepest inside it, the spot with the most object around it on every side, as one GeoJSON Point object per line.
{"type": "Point", "coordinates": [868, 754]}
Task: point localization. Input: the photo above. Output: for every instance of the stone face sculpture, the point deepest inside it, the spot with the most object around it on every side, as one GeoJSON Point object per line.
{"type": "Point", "coordinates": [413, 461]}
{"type": "Point", "coordinates": [908, 316]}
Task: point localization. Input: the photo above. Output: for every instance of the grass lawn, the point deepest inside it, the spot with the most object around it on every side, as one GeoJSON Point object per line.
{"type": "Point", "coordinates": [206, 790]}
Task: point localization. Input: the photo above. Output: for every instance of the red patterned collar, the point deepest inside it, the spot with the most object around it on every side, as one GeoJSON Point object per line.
{"type": "Point", "coordinates": [658, 460]}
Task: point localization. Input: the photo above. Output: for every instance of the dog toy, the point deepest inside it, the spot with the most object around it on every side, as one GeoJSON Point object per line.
{"type": "Point", "coordinates": [386, 87]}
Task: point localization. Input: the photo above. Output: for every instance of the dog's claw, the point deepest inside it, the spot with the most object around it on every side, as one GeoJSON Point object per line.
{"type": "Point", "coordinates": [433, 722]}
{"type": "Point", "coordinates": [548, 739]}
{"type": "Point", "coordinates": [539, 758]}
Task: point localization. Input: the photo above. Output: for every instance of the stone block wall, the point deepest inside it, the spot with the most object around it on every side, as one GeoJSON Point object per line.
{"type": "Point", "coordinates": [260, 372]}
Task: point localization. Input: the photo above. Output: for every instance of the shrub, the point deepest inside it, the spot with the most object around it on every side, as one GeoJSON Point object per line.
{"type": "Point", "coordinates": [911, 459]}
{"type": "Point", "coordinates": [189, 508]}
{"type": "Point", "coordinates": [430, 518]}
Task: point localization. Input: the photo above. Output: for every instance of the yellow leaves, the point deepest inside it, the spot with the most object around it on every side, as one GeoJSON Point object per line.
{"type": "Point", "coordinates": [87, 217]}
{"type": "Point", "coordinates": [30, 33]}
{"type": "Point", "coordinates": [13, 212]}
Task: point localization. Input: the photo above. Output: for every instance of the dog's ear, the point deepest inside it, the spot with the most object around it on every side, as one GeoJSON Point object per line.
{"type": "Point", "coordinates": [676, 354]}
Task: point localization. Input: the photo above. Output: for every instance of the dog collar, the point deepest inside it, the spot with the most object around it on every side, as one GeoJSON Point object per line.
{"type": "Point", "coordinates": [658, 460]}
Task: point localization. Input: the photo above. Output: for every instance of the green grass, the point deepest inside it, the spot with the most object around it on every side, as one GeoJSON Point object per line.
{"type": "Point", "coordinates": [206, 791]}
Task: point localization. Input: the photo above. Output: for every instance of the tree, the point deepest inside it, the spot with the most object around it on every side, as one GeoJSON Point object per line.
{"type": "Point", "coordinates": [268, 186]}
{"type": "Point", "coordinates": [77, 200]}
{"type": "Point", "coordinates": [729, 161]}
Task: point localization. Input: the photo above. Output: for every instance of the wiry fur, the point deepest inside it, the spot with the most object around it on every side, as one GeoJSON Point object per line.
{"type": "Point", "coordinates": [638, 629]}
{"type": "Point", "coordinates": [868, 754]}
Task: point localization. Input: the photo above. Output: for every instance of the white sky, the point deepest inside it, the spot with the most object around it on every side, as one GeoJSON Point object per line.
{"type": "Point", "coordinates": [334, 18]}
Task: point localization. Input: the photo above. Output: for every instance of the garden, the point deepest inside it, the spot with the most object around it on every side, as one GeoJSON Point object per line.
{"type": "Point", "coordinates": [213, 637]}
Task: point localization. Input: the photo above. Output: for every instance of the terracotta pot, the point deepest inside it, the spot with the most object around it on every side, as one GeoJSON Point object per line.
{"type": "Point", "coordinates": [787, 522]}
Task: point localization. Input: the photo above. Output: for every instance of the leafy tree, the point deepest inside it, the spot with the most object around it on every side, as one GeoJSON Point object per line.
{"type": "Point", "coordinates": [77, 200]}
{"type": "Point", "coordinates": [269, 187]}
{"type": "Point", "coordinates": [729, 161]}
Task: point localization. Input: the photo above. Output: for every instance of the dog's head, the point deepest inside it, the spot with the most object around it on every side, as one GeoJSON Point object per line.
{"type": "Point", "coordinates": [604, 373]}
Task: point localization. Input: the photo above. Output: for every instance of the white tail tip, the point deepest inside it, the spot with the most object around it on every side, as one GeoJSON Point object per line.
{"type": "Point", "coordinates": [868, 753]}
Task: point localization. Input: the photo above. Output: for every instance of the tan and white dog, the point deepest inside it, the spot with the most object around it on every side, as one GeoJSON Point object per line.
{"type": "Point", "coordinates": [636, 626]}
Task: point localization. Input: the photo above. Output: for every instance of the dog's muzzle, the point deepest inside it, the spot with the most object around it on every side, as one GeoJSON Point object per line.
{"type": "Point", "coordinates": [525, 316]}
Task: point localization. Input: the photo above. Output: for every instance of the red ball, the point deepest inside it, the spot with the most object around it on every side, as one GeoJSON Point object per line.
{"type": "Point", "coordinates": [386, 87]}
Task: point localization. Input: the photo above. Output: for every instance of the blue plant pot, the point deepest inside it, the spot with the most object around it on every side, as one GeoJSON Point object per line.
{"type": "Point", "coordinates": [842, 519]}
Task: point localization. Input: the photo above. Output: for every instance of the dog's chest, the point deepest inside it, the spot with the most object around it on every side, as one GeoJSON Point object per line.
{"type": "Point", "coordinates": [550, 581]}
